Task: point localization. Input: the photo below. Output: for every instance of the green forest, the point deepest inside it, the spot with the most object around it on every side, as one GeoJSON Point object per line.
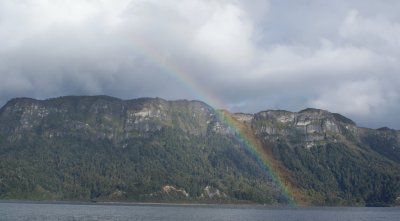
{"type": "Point", "coordinates": [152, 150]}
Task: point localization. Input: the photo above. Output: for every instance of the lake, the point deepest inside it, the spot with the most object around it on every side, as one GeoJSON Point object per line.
{"type": "Point", "coordinates": [18, 211]}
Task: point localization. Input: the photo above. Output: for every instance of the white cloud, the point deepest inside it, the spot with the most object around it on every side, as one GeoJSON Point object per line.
{"type": "Point", "coordinates": [253, 55]}
{"type": "Point", "coordinates": [377, 33]}
{"type": "Point", "coordinates": [226, 36]}
{"type": "Point", "coordinates": [353, 98]}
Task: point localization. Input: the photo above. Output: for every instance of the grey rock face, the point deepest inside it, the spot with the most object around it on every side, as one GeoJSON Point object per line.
{"type": "Point", "coordinates": [308, 127]}
{"type": "Point", "coordinates": [147, 140]}
{"type": "Point", "coordinates": [115, 119]}
{"type": "Point", "coordinates": [106, 117]}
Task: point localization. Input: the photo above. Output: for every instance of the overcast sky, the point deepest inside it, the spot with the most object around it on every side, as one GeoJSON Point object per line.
{"type": "Point", "coordinates": [342, 55]}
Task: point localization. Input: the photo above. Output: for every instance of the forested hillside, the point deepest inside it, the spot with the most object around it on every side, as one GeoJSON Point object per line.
{"type": "Point", "coordinates": [102, 148]}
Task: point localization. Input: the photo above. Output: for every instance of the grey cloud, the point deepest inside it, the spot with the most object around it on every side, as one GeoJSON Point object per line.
{"type": "Point", "coordinates": [278, 54]}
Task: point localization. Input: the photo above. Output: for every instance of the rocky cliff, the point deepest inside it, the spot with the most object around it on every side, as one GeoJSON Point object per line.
{"type": "Point", "coordinates": [150, 149]}
{"type": "Point", "coordinates": [332, 158]}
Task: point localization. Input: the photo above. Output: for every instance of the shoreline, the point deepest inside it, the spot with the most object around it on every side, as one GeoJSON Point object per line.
{"type": "Point", "coordinates": [181, 204]}
{"type": "Point", "coordinates": [122, 203]}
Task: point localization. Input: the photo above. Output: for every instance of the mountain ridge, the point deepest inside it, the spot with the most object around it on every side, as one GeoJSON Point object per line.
{"type": "Point", "coordinates": [183, 150]}
{"type": "Point", "coordinates": [158, 98]}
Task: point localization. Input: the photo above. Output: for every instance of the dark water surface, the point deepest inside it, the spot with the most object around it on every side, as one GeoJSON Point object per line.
{"type": "Point", "coordinates": [67, 212]}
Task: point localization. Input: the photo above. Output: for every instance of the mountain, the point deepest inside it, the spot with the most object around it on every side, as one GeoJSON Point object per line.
{"type": "Point", "coordinates": [107, 149]}
{"type": "Point", "coordinates": [333, 161]}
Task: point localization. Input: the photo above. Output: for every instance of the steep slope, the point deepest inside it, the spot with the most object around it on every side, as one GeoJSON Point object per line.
{"type": "Point", "coordinates": [384, 141]}
{"type": "Point", "coordinates": [103, 148]}
{"type": "Point", "coordinates": [242, 125]}
{"type": "Point", "coordinates": [333, 160]}
{"type": "Point", "coordinates": [150, 149]}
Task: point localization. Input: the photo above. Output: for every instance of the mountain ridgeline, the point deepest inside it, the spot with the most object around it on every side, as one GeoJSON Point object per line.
{"type": "Point", "coordinates": [102, 148]}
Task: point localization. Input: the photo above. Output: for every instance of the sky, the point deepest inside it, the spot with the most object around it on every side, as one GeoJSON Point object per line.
{"type": "Point", "coordinates": [245, 56]}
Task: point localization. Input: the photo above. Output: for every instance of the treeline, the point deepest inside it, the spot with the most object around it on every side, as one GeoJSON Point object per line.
{"type": "Point", "coordinates": [338, 174]}
{"type": "Point", "coordinates": [77, 167]}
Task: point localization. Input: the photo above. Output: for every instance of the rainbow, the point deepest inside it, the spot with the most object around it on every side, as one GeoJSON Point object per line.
{"type": "Point", "coordinates": [252, 144]}
{"type": "Point", "coordinates": [248, 140]}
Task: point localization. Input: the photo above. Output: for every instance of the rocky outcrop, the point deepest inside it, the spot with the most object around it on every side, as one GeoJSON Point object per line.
{"type": "Point", "coordinates": [212, 193]}
{"type": "Point", "coordinates": [309, 127]}
{"type": "Point", "coordinates": [106, 117]}
{"type": "Point", "coordinates": [173, 190]}
{"type": "Point", "coordinates": [100, 147]}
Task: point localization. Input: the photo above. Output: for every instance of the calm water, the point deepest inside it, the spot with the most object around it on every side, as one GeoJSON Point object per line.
{"type": "Point", "coordinates": [69, 212]}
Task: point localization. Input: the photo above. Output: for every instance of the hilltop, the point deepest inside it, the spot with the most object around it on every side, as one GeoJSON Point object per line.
{"type": "Point", "coordinates": [103, 148]}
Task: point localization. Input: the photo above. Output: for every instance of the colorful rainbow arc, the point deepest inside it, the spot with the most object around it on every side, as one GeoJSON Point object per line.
{"type": "Point", "coordinates": [254, 146]}
{"type": "Point", "coordinates": [249, 141]}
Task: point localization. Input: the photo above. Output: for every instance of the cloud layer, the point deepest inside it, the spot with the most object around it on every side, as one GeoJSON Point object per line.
{"type": "Point", "coordinates": [342, 56]}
